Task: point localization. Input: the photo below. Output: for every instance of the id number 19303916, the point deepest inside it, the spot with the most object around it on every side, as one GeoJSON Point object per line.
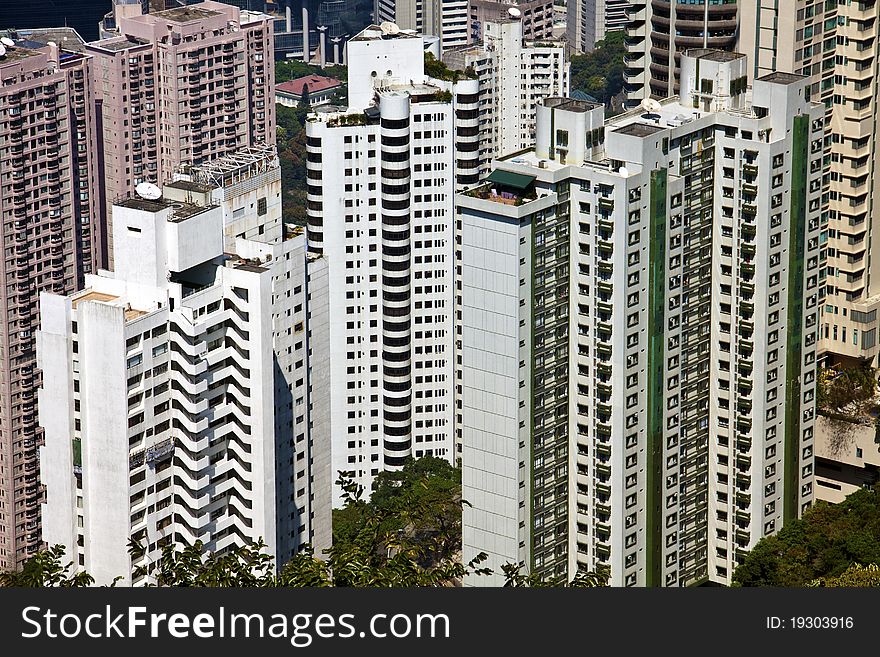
{"type": "Point", "coordinates": [810, 623]}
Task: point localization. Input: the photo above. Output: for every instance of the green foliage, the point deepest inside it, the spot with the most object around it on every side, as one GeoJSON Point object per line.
{"type": "Point", "coordinates": [856, 576]}
{"type": "Point", "coordinates": [437, 69]}
{"type": "Point", "coordinates": [46, 569]}
{"type": "Point", "coordinates": [291, 69]}
{"type": "Point", "coordinates": [599, 73]}
{"type": "Point", "coordinates": [191, 566]}
{"type": "Point", "coordinates": [823, 544]}
{"type": "Point", "coordinates": [291, 142]}
{"type": "Point", "coordinates": [583, 579]}
{"type": "Point", "coordinates": [847, 393]}
{"type": "Point", "coordinates": [416, 510]}
{"type": "Point", "coordinates": [291, 136]}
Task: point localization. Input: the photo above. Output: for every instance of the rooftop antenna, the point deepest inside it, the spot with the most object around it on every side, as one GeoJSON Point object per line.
{"type": "Point", "coordinates": [148, 191]}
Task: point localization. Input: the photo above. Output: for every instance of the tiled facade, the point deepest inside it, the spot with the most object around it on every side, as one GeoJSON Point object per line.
{"type": "Point", "coordinates": [181, 86]}
{"type": "Point", "coordinates": [51, 239]}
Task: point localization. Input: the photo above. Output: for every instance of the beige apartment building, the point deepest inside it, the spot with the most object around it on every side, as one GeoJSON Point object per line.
{"type": "Point", "coordinates": [181, 86]}
{"type": "Point", "coordinates": [50, 239]}
{"type": "Point", "coordinates": [835, 45]}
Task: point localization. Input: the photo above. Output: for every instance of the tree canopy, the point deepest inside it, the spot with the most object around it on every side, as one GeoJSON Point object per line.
{"type": "Point", "coordinates": [823, 545]}
{"type": "Point", "coordinates": [599, 72]}
{"type": "Point", "coordinates": [46, 569]}
{"type": "Point", "coordinates": [856, 576]}
{"type": "Point", "coordinates": [291, 136]}
{"type": "Point", "coordinates": [849, 394]}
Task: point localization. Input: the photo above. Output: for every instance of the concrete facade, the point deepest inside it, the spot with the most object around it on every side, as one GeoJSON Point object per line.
{"type": "Point", "coordinates": [381, 176]}
{"type": "Point", "coordinates": [514, 76]}
{"type": "Point", "coordinates": [446, 19]}
{"type": "Point", "coordinates": [536, 15]}
{"type": "Point", "coordinates": [177, 397]}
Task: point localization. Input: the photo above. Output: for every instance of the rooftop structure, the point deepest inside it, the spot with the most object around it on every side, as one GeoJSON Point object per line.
{"type": "Point", "coordinates": [187, 14]}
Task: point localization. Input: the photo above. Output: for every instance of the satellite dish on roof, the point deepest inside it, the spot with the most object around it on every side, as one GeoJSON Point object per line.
{"type": "Point", "coordinates": [651, 106]}
{"type": "Point", "coordinates": [388, 27]}
{"type": "Point", "coordinates": [6, 41]}
{"type": "Point", "coordinates": [148, 191]}
{"type": "Point", "coordinates": [513, 12]}
{"type": "Point", "coordinates": [2, 50]}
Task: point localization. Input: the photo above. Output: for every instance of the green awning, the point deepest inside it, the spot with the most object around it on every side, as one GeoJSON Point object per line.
{"type": "Point", "coordinates": [510, 179]}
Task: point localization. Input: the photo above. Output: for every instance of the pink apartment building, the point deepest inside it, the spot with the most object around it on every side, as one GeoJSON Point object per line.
{"type": "Point", "coordinates": [51, 238]}
{"type": "Point", "coordinates": [181, 86]}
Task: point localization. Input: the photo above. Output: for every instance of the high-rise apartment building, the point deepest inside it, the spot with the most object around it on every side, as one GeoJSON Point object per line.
{"type": "Point", "coordinates": [836, 46]}
{"type": "Point", "coordinates": [175, 389]}
{"type": "Point", "coordinates": [381, 179]}
{"type": "Point", "coordinates": [51, 238]}
{"type": "Point", "coordinates": [446, 19]}
{"type": "Point", "coordinates": [537, 17]}
{"type": "Point", "coordinates": [247, 186]}
{"type": "Point", "coordinates": [181, 86]}
{"type": "Point", "coordinates": [658, 32]}
{"type": "Point", "coordinates": [639, 314]}
{"type": "Point", "coordinates": [587, 21]}
{"type": "Point", "coordinates": [514, 76]}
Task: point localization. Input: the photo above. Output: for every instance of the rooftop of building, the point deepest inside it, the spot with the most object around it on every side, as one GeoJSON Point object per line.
{"type": "Point", "coordinates": [66, 37]}
{"type": "Point", "coordinates": [186, 14]}
{"type": "Point", "coordinates": [222, 171]}
{"type": "Point", "coordinates": [184, 211]}
{"type": "Point", "coordinates": [315, 83]}
{"type": "Point", "coordinates": [781, 78]}
{"type": "Point", "coordinates": [714, 55]}
{"type": "Point", "coordinates": [110, 299]}
{"type": "Point", "coordinates": [144, 204]}
{"type": "Point", "coordinates": [385, 31]}
{"type": "Point", "coordinates": [181, 211]}
{"type": "Point", "coordinates": [571, 104]}
{"type": "Point", "coordinates": [116, 44]}
{"type": "Point", "coordinates": [21, 50]}
{"type": "Point", "coordinates": [506, 187]}
{"type": "Point", "coordinates": [577, 94]}
{"type": "Point", "coordinates": [249, 266]}
{"type": "Point", "coordinates": [640, 129]}
{"type": "Point", "coordinates": [641, 123]}
{"type": "Point", "coordinates": [190, 186]}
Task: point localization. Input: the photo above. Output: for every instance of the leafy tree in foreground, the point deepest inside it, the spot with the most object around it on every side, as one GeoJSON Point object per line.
{"type": "Point", "coordinates": [854, 576]}
{"type": "Point", "coordinates": [46, 568]}
{"type": "Point", "coordinates": [419, 505]}
{"type": "Point", "coordinates": [823, 545]}
{"type": "Point", "coordinates": [584, 579]}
